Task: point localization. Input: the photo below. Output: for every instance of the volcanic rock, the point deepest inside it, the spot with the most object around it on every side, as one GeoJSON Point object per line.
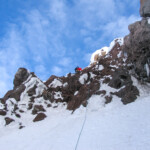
{"type": "Point", "coordinates": [16, 93]}
{"type": "Point", "coordinates": [120, 78]}
{"type": "Point", "coordinates": [2, 113]}
{"type": "Point", "coordinates": [39, 117]}
{"type": "Point", "coordinates": [137, 48]}
{"type": "Point", "coordinates": [8, 120]}
{"type": "Point", "coordinates": [21, 75]}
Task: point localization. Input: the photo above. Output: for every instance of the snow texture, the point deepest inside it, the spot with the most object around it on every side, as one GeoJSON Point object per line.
{"type": "Point", "coordinates": [55, 83]}
{"type": "Point", "coordinates": [148, 20]}
{"type": "Point", "coordinates": [101, 67]}
{"type": "Point", "coordinates": [147, 70]}
{"type": "Point", "coordinates": [83, 78]}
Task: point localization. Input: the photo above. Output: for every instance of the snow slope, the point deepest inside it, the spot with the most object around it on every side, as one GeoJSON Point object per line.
{"type": "Point", "coordinates": [108, 127]}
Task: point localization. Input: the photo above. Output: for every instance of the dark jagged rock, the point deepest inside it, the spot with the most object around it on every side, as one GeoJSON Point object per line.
{"type": "Point", "coordinates": [39, 117]}
{"type": "Point", "coordinates": [128, 94]}
{"type": "Point", "coordinates": [2, 113]}
{"type": "Point", "coordinates": [120, 78]}
{"type": "Point", "coordinates": [14, 93]}
{"type": "Point", "coordinates": [21, 75]}
{"type": "Point", "coordinates": [137, 47]}
{"type": "Point", "coordinates": [145, 8]}
{"type": "Point", "coordinates": [8, 120]}
{"type": "Point", "coordinates": [108, 99]}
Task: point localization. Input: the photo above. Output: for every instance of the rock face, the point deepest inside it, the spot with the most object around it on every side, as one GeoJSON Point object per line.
{"type": "Point", "coordinates": [145, 8]}
{"type": "Point", "coordinates": [137, 47]}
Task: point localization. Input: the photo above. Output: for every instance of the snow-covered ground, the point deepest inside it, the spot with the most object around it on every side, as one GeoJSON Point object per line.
{"type": "Point", "coordinates": [108, 127]}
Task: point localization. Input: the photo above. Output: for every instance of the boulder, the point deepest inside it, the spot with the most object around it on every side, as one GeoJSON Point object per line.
{"type": "Point", "coordinates": [2, 112]}
{"type": "Point", "coordinates": [120, 78]}
{"type": "Point", "coordinates": [21, 75]}
{"type": "Point", "coordinates": [39, 117]}
{"type": "Point", "coordinates": [8, 120]}
{"type": "Point", "coordinates": [128, 94]}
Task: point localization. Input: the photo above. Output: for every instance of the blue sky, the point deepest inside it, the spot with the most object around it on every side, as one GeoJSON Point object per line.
{"type": "Point", "coordinates": [54, 36]}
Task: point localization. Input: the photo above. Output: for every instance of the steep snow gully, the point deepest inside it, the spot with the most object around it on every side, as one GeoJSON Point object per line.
{"type": "Point", "coordinates": [103, 107]}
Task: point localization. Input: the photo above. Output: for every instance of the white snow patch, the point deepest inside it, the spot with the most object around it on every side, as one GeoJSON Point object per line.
{"type": "Point", "coordinates": [95, 103]}
{"type": "Point", "coordinates": [119, 55]}
{"type": "Point", "coordinates": [148, 20]}
{"type": "Point", "coordinates": [101, 67]}
{"type": "Point", "coordinates": [58, 95]}
{"type": "Point", "coordinates": [92, 75]}
{"type": "Point", "coordinates": [99, 52]}
{"type": "Point", "coordinates": [65, 84]}
{"type": "Point", "coordinates": [76, 93]}
{"type": "Point", "coordinates": [83, 78]}
{"type": "Point", "coordinates": [147, 70]}
{"type": "Point", "coordinates": [143, 88]}
{"type": "Point", "coordinates": [55, 83]}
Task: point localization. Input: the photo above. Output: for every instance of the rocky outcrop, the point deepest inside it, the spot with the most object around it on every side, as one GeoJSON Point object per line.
{"type": "Point", "coordinates": [137, 47]}
{"type": "Point", "coordinates": [145, 8]}
{"type": "Point", "coordinates": [21, 75]}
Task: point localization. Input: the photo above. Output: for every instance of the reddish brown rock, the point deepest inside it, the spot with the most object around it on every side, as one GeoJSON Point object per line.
{"type": "Point", "coordinates": [108, 99]}
{"type": "Point", "coordinates": [39, 117]}
{"type": "Point", "coordinates": [16, 93]}
{"type": "Point", "coordinates": [2, 113]}
{"type": "Point", "coordinates": [8, 120]}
